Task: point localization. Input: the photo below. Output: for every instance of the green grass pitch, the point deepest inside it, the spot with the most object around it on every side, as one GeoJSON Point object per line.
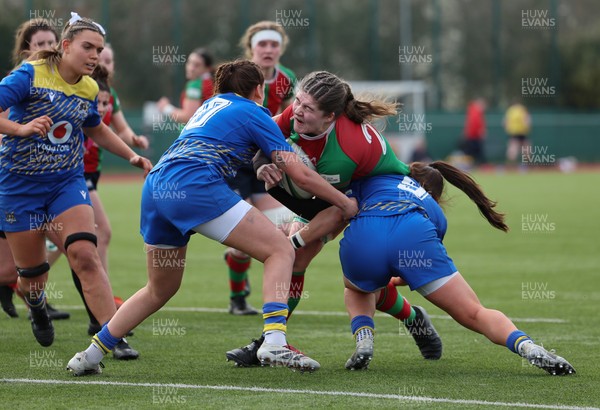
{"type": "Point", "coordinates": [546, 267]}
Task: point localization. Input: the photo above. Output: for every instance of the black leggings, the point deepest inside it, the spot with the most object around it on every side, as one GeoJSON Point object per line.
{"type": "Point", "coordinates": [306, 208]}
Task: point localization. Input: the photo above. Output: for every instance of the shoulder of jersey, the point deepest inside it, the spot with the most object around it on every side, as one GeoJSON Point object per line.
{"type": "Point", "coordinates": [287, 72]}
{"type": "Point", "coordinates": [348, 130]}
{"type": "Point", "coordinates": [86, 88]}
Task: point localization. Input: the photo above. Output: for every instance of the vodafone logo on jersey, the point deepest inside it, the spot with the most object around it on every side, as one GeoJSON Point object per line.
{"type": "Point", "coordinates": [60, 132]}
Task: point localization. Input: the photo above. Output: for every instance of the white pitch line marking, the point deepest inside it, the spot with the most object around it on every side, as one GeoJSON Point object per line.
{"type": "Point", "coordinates": [297, 391]}
{"type": "Point", "coordinates": [319, 313]}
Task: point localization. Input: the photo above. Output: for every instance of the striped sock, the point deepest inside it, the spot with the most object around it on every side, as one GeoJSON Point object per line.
{"type": "Point", "coordinates": [362, 327]}
{"type": "Point", "coordinates": [35, 299]}
{"type": "Point", "coordinates": [515, 340]}
{"type": "Point", "coordinates": [296, 287]}
{"type": "Point", "coordinates": [394, 304]}
{"type": "Point", "coordinates": [102, 343]}
{"type": "Point", "coordinates": [238, 274]}
{"type": "Point", "coordinates": [104, 340]}
{"type": "Point", "coordinates": [274, 329]}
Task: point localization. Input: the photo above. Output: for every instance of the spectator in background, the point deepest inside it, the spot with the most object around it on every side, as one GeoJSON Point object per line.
{"type": "Point", "coordinates": [475, 130]}
{"type": "Point", "coordinates": [115, 117]}
{"type": "Point", "coordinates": [199, 87]}
{"type": "Point", "coordinates": [420, 153]}
{"type": "Point", "coordinates": [517, 124]}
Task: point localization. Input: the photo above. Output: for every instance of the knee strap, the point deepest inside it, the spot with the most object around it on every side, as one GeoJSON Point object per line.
{"type": "Point", "coordinates": [81, 236]}
{"type": "Point", "coordinates": [35, 271]}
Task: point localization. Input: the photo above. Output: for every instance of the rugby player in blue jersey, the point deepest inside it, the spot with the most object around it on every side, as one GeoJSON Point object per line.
{"type": "Point", "coordinates": [52, 100]}
{"type": "Point", "coordinates": [398, 233]}
{"type": "Point", "coordinates": [187, 193]}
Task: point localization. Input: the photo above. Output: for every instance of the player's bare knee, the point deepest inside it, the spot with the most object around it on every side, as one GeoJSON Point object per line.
{"type": "Point", "coordinates": [468, 317]}
{"type": "Point", "coordinates": [288, 251]}
{"type": "Point", "coordinates": [161, 293]}
{"type": "Point", "coordinates": [81, 251]}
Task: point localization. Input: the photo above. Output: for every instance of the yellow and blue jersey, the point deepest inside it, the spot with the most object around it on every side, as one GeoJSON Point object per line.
{"type": "Point", "coordinates": [34, 90]}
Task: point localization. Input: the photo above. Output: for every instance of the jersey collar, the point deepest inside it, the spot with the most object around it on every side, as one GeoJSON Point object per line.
{"type": "Point", "coordinates": [317, 137]}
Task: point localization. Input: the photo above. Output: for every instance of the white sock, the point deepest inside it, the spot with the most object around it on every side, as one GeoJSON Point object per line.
{"type": "Point", "coordinates": [364, 333]}
{"type": "Point", "coordinates": [275, 337]}
{"type": "Point", "coordinates": [525, 346]}
{"type": "Point", "coordinates": [94, 354]}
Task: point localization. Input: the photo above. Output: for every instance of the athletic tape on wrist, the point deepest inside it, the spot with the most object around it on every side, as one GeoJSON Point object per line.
{"type": "Point", "coordinates": [297, 241]}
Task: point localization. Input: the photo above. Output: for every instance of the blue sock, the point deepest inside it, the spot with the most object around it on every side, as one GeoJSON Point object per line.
{"type": "Point", "coordinates": [104, 340]}
{"type": "Point", "coordinates": [361, 321]}
{"type": "Point", "coordinates": [515, 339]}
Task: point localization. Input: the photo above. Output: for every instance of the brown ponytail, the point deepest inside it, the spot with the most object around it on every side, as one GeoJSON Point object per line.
{"type": "Point", "coordinates": [431, 177]}
{"type": "Point", "coordinates": [239, 76]}
{"type": "Point", "coordinates": [52, 57]}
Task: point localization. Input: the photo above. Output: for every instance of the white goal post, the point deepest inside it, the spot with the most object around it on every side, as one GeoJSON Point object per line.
{"type": "Point", "coordinates": [405, 131]}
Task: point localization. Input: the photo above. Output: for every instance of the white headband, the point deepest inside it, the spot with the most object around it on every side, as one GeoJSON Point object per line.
{"type": "Point", "coordinates": [76, 17]}
{"type": "Point", "coordinates": [263, 35]}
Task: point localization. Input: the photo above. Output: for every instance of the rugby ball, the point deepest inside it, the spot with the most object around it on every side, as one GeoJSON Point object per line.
{"type": "Point", "coordinates": [287, 183]}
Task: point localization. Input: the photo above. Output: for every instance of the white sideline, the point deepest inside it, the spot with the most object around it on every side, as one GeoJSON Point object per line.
{"type": "Point", "coordinates": [319, 313]}
{"type": "Point", "coordinates": [297, 391]}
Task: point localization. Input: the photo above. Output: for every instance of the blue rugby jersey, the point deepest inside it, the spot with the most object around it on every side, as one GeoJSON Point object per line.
{"type": "Point", "coordinates": [33, 90]}
{"type": "Point", "coordinates": [388, 195]}
{"type": "Point", "coordinates": [225, 133]}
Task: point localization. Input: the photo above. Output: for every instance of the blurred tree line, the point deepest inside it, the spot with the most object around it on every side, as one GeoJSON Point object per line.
{"type": "Point", "coordinates": [460, 48]}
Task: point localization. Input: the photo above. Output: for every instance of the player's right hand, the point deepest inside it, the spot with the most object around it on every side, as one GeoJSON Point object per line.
{"type": "Point", "coordinates": [270, 174]}
{"type": "Point", "coordinates": [37, 126]}
{"type": "Point", "coordinates": [350, 209]}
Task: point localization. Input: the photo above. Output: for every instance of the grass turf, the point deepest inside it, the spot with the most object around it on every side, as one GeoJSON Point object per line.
{"type": "Point", "coordinates": [545, 267]}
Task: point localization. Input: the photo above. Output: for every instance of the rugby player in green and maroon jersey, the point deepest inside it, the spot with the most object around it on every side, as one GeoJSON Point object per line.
{"type": "Point", "coordinates": [332, 127]}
